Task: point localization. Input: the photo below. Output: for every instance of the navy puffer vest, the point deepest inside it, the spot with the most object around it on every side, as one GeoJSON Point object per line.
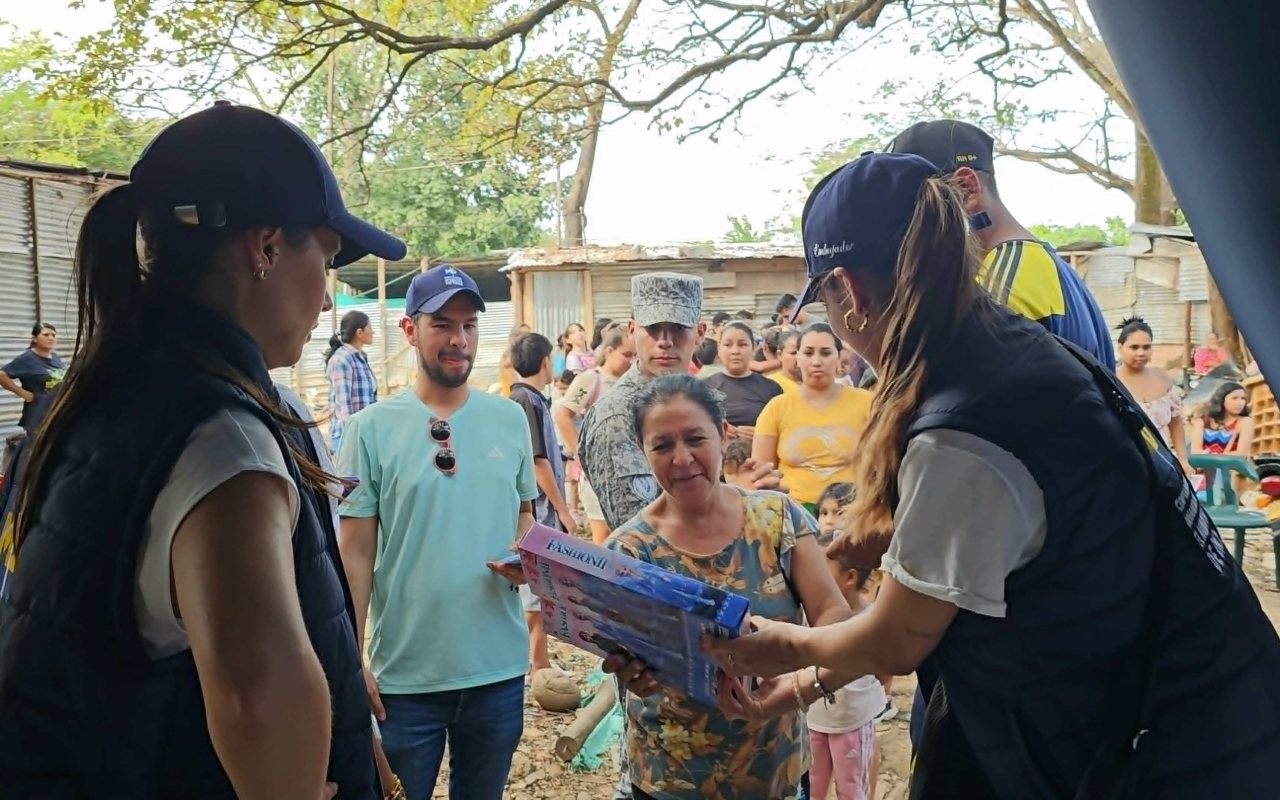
{"type": "Point", "coordinates": [1034, 691]}
{"type": "Point", "coordinates": [83, 711]}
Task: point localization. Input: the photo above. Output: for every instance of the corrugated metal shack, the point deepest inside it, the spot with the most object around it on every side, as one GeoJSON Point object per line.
{"type": "Point", "coordinates": [1161, 276]}
{"type": "Point", "coordinates": [41, 207]}
{"type": "Point", "coordinates": [552, 287]}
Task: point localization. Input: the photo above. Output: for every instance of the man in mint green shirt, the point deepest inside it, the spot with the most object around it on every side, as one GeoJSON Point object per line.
{"type": "Point", "coordinates": [444, 480]}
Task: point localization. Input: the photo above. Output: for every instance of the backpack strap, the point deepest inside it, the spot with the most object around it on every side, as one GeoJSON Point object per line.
{"type": "Point", "coordinates": [1125, 753]}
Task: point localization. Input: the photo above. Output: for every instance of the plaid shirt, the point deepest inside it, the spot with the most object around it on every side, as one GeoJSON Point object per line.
{"type": "Point", "coordinates": [352, 386]}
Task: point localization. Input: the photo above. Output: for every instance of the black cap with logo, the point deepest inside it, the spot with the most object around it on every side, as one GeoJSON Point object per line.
{"type": "Point", "coordinates": [232, 165]}
{"type": "Point", "coordinates": [949, 144]}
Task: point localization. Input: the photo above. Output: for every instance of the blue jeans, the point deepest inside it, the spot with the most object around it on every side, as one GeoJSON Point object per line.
{"type": "Point", "coordinates": [482, 725]}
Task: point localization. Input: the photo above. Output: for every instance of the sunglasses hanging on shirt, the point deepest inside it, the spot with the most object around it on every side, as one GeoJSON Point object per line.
{"type": "Point", "coordinates": [445, 460]}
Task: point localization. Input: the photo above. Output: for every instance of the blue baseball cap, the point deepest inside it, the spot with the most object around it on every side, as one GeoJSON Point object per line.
{"type": "Point", "coordinates": [857, 215]}
{"type": "Point", "coordinates": [430, 290]}
{"type": "Point", "coordinates": [232, 165]}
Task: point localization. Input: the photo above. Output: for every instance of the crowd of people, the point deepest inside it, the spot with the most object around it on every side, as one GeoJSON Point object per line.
{"type": "Point", "coordinates": [946, 474]}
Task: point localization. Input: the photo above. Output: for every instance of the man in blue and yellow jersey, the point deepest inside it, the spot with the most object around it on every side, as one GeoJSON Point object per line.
{"type": "Point", "coordinates": [1021, 271]}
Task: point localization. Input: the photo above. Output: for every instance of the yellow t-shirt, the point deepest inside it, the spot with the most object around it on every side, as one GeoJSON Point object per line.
{"type": "Point", "coordinates": [779, 377]}
{"type": "Point", "coordinates": [815, 446]}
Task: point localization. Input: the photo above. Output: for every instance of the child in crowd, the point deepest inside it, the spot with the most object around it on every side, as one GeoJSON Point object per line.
{"type": "Point", "coordinates": [736, 453]}
{"type": "Point", "coordinates": [561, 384]}
{"type": "Point", "coordinates": [842, 735]}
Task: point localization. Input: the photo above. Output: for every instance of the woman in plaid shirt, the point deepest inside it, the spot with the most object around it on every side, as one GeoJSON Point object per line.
{"type": "Point", "coordinates": [352, 385]}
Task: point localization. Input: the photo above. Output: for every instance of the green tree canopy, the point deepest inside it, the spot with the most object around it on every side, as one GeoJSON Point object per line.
{"type": "Point", "coordinates": [447, 168]}
{"type": "Point", "coordinates": [69, 131]}
{"type": "Point", "coordinates": [1114, 231]}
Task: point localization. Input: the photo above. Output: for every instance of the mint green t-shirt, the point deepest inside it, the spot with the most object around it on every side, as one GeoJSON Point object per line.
{"type": "Point", "coordinates": [438, 618]}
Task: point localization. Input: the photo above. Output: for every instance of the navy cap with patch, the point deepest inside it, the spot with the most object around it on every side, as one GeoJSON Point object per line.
{"type": "Point", "coordinates": [238, 166]}
{"type": "Point", "coordinates": [858, 215]}
{"type": "Point", "coordinates": [430, 290]}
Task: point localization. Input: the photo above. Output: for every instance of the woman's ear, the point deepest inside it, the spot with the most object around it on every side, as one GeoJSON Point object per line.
{"type": "Point", "coordinates": [853, 293]}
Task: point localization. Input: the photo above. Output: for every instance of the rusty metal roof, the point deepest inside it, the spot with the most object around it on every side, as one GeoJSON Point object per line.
{"type": "Point", "coordinates": [533, 257]}
{"type": "Point", "coordinates": [19, 167]}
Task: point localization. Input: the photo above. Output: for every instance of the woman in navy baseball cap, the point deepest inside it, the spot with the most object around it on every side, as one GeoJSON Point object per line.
{"type": "Point", "coordinates": [1076, 624]}
{"type": "Point", "coordinates": [178, 624]}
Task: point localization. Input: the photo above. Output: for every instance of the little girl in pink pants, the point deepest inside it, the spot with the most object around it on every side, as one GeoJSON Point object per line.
{"type": "Point", "coordinates": [842, 733]}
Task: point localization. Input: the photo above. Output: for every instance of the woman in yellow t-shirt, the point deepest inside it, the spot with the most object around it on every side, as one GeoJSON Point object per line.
{"type": "Point", "coordinates": [811, 433]}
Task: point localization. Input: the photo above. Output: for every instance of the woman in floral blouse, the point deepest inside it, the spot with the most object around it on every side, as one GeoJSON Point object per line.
{"type": "Point", "coordinates": [758, 544]}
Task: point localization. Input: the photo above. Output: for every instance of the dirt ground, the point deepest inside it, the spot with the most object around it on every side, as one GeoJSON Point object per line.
{"type": "Point", "coordinates": [537, 774]}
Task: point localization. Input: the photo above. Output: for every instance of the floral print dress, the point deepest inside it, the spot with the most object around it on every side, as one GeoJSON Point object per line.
{"type": "Point", "coordinates": [680, 749]}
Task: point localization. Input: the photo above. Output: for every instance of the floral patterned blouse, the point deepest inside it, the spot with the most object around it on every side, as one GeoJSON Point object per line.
{"type": "Point", "coordinates": [1163, 409]}
{"type": "Point", "coordinates": [680, 749]}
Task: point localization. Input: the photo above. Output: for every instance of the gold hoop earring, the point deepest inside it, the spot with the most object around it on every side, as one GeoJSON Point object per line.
{"type": "Point", "coordinates": [862, 326]}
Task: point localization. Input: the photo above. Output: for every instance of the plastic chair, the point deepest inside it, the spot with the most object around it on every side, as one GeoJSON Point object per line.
{"type": "Point", "coordinates": [1226, 515]}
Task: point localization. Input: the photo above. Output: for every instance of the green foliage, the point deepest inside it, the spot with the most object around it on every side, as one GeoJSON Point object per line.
{"type": "Point", "coordinates": [447, 167]}
{"type": "Point", "coordinates": [420, 144]}
{"type": "Point", "coordinates": [836, 155]}
{"type": "Point", "coordinates": [69, 131]}
{"type": "Point", "coordinates": [743, 231]}
{"type": "Point", "coordinates": [1115, 231]}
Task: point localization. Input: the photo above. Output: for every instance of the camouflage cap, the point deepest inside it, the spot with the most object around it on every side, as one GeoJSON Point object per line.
{"type": "Point", "coordinates": [666, 297]}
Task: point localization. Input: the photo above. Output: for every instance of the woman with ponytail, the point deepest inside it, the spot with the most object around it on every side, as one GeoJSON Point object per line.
{"type": "Point", "coordinates": [352, 384]}
{"type": "Point", "coordinates": [177, 624]}
{"type": "Point", "coordinates": [1069, 609]}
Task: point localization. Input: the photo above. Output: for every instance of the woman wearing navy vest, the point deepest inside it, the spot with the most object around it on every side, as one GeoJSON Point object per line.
{"type": "Point", "coordinates": [178, 624]}
{"type": "Point", "coordinates": [1048, 572]}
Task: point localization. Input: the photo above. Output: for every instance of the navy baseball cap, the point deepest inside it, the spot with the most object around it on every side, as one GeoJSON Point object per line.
{"type": "Point", "coordinates": [430, 290]}
{"type": "Point", "coordinates": [949, 144]}
{"type": "Point", "coordinates": [232, 165]}
{"type": "Point", "coordinates": [857, 216]}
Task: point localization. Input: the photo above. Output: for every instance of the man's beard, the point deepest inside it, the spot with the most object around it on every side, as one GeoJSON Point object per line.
{"type": "Point", "coordinates": [438, 376]}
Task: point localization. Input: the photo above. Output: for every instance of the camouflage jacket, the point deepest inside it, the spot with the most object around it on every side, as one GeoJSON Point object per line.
{"type": "Point", "coordinates": [612, 459]}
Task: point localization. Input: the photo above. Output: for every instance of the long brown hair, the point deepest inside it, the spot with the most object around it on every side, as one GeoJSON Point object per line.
{"type": "Point", "coordinates": [109, 278]}
{"type": "Point", "coordinates": [934, 287]}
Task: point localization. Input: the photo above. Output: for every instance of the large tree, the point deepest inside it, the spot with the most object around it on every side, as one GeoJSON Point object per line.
{"type": "Point", "coordinates": [432, 170]}
{"type": "Point", "coordinates": [440, 161]}
{"type": "Point", "coordinates": [1025, 52]}
{"type": "Point", "coordinates": [1021, 51]}
{"type": "Point", "coordinates": [580, 60]}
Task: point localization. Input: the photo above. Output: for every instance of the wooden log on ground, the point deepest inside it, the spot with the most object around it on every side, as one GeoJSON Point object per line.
{"type": "Point", "coordinates": [570, 742]}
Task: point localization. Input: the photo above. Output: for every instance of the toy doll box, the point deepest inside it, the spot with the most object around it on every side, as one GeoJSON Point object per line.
{"type": "Point", "coordinates": [607, 602]}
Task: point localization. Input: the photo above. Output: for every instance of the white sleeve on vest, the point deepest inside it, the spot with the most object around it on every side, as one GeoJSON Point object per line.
{"type": "Point", "coordinates": [230, 442]}
{"type": "Point", "coordinates": [969, 514]}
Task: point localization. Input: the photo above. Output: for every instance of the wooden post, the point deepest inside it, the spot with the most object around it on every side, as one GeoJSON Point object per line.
{"type": "Point", "coordinates": [384, 381]}
{"type": "Point", "coordinates": [1187, 310]}
{"type": "Point", "coordinates": [588, 302]}
{"type": "Point", "coordinates": [332, 280]}
{"type": "Point", "coordinates": [35, 254]}
{"type": "Point", "coordinates": [570, 742]}
{"type": "Point", "coordinates": [424, 265]}
{"type": "Point", "coordinates": [526, 302]}
{"type": "Point", "coordinates": [517, 297]}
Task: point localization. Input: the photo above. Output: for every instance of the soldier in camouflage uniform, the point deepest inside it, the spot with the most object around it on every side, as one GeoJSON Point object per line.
{"type": "Point", "coordinates": [666, 327]}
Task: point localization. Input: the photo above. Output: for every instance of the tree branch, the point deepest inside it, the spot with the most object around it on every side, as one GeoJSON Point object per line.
{"type": "Point", "coordinates": [1075, 165]}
